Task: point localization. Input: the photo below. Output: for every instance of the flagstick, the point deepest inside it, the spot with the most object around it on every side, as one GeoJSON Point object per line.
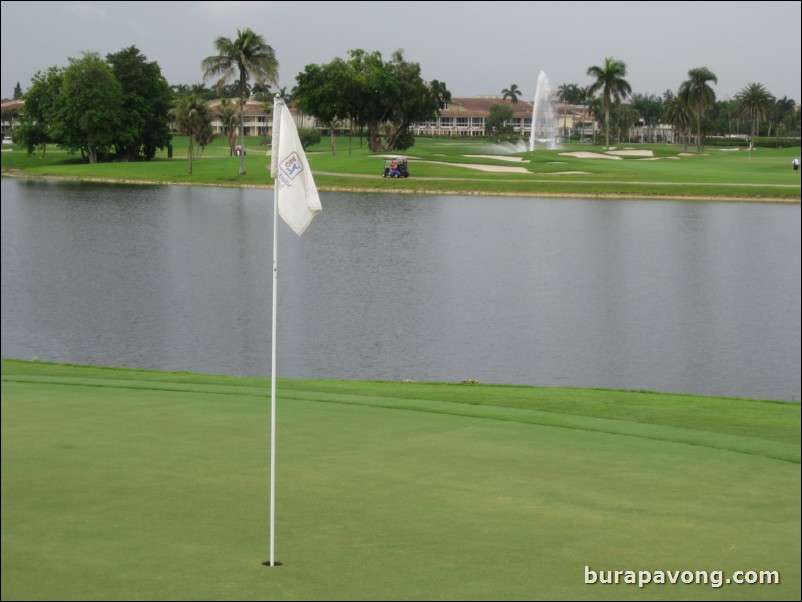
{"type": "Point", "coordinates": [273, 381]}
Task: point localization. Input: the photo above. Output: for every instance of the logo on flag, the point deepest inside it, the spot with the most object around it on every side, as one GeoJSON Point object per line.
{"type": "Point", "coordinates": [292, 165]}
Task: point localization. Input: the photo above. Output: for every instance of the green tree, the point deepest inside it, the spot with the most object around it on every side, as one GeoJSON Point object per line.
{"type": "Point", "coordinates": [17, 92]}
{"type": "Point", "coordinates": [754, 103]}
{"type": "Point", "coordinates": [395, 94]}
{"type": "Point", "coordinates": [386, 97]}
{"type": "Point", "coordinates": [498, 121]}
{"type": "Point", "coordinates": [568, 94]}
{"type": "Point", "coordinates": [146, 104]}
{"type": "Point", "coordinates": [614, 88]}
{"type": "Point", "coordinates": [595, 106]}
{"type": "Point", "coordinates": [323, 91]}
{"type": "Point", "coordinates": [192, 117]}
{"type": "Point", "coordinates": [512, 93]}
{"type": "Point", "coordinates": [677, 113]}
{"type": "Point", "coordinates": [649, 108]}
{"type": "Point", "coordinates": [41, 101]}
{"type": "Point", "coordinates": [699, 96]}
{"type": "Point", "coordinates": [308, 137]}
{"type": "Point", "coordinates": [229, 118]}
{"type": "Point", "coordinates": [90, 110]}
{"type": "Point", "coordinates": [243, 58]}
{"type": "Point", "coordinates": [785, 114]}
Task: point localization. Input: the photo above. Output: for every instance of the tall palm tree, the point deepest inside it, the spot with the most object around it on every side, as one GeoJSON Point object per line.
{"type": "Point", "coordinates": [699, 97]}
{"type": "Point", "coordinates": [243, 58]}
{"type": "Point", "coordinates": [754, 103]}
{"type": "Point", "coordinates": [614, 88]}
{"type": "Point", "coordinates": [512, 93]}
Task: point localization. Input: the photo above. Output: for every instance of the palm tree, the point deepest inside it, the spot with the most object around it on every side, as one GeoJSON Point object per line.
{"type": "Point", "coordinates": [512, 93]}
{"type": "Point", "coordinates": [191, 115]}
{"type": "Point", "coordinates": [699, 97]}
{"type": "Point", "coordinates": [784, 113]}
{"type": "Point", "coordinates": [229, 118]}
{"type": "Point", "coordinates": [754, 103]}
{"type": "Point", "coordinates": [614, 88]}
{"type": "Point", "coordinates": [677, 113]}
{"type": "Point", "coordinates": [568, 94]}
{"type": "Point", "coordinates": [594, 105]}
{"type": "Point", "coordinates": [245, 57]}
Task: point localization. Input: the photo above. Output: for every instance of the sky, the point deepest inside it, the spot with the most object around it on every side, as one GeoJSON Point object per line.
{"type": "Point", "coordinates": [476, 48]}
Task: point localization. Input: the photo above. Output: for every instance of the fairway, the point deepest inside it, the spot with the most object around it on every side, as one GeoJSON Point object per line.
{"type": "Point", "coordinates": [123, 484]}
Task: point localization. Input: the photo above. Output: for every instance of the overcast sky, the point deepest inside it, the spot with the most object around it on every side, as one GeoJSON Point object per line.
{"type": "Point", "coordinates": [476, 48]}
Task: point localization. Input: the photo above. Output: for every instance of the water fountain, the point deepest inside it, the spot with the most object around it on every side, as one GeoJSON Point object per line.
{"type": "Point", "coordinates": [543, 129]}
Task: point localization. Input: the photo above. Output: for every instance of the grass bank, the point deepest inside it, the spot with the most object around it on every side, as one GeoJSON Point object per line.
{"type": "Point", "coordinates": [130, 484]}
{"type": "Point", "coordinates": [443, 166]}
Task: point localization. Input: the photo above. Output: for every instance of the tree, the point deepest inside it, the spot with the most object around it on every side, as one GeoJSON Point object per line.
{"type": "Point", "coordinates": [677, 113]}
{"type": "Point", "coordinates": [192, 116]}
{"type": "Point", "coordinates": [614, 88]}
{"type": "Point", "coordinates": [594, 104]}
{"type": "Point", "coordinates": [17, 92]}
{"type": "Point", "coordinates": [649, 108]}
{"type": "Point", "coordinates": [308, 137]}
{"type": "Point", "coordinates": [243, 58]}
{"type": "Point", "coordinates": [512, 93]}
{"type": "Point", "coordinates": [699, 97]}
{"type": "Point", "coordinates": [785, 114]}
{"type": "Point", "coordinates": [568, 94]}
{"type": "Point", "coordinates": [229, 119]}
{"type": "Point", "coordinates": [387, 97]}
{"type": "Point", "coordinates": [498, 121]}
{"type": "Point", "coordinates": [146, 104]}
{"type": "Point", "coordinates": [89, 111]}
{"type": "Point", "coordinates": [41, 101]}
{"type": "Point", "coordinates": [323, 91]}
{"type": "Point", "coordinates": [754, 103]}
{"type": "Point", "coordinates": [395, 94]}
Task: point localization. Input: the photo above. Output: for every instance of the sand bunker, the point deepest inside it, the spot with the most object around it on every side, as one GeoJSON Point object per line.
{"type": "Point", "coordinates": [585, 155]}
{"type": "Point", "coordinates": [496, 168]}
{"type": "Point", "coordinates": [511, 159]}
{"type": "Point", "coordinates": [632, 152]}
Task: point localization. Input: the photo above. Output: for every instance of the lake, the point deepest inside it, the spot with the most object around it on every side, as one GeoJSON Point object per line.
{"type": "Point", "coordinates": [693, 297]}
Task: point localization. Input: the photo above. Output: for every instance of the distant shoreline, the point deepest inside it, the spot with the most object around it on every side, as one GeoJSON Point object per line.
{"type": "Point", "coordinates": [18, 174]}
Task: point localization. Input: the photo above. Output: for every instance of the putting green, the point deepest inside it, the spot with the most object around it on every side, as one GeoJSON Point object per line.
{"type": "Point", "coordinates": [137, 487]}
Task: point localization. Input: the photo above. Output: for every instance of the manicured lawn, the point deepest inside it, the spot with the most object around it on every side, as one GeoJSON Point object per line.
{"type": "Point", "coordinates": [125, 484]}
{"type": "Point", "coordinates": [450, 166]}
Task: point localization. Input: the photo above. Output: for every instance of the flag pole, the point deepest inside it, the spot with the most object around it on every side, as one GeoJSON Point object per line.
{"type": "Point", "coordinates": [273, 382]}
{"type": "Point", "coordinates": [300, 202]}
{"type": "Point", "coordinates": [273, 359]}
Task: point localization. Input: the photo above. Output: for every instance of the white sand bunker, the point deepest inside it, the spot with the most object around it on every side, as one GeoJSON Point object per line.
{"type": "Point", "coordinates": [632, 152]}
{"type": "Point", "coordinates": [496, 168]}
{"type": "Point", "coordinates": [585, 155]}
{"type": "Point", "coordinates": [500, 158]}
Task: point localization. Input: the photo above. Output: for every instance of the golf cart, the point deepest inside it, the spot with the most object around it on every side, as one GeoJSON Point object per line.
{"type": "Point", "coordinates": [396, 168]}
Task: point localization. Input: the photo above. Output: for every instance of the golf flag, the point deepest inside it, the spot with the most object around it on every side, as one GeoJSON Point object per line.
{"type": "Point", "coordinates": [298, 201]}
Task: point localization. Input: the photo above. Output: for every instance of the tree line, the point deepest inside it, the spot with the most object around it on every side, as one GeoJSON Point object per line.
{"type": "Point", "coordinates": [692, 109]}
{"type": "Point", "coordinates": [122, 108]}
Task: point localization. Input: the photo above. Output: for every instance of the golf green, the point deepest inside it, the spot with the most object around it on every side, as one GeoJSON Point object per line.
{"type": "Point", "coordinates": [132, 485]}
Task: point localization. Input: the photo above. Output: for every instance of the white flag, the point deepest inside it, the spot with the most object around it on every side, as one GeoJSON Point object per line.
{"type": "Point", "coordinates": [298, 200]}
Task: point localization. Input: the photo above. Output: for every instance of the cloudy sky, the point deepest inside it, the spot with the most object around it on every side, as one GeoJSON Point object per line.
{"type": "Point", "coordinates": [476, 48]}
